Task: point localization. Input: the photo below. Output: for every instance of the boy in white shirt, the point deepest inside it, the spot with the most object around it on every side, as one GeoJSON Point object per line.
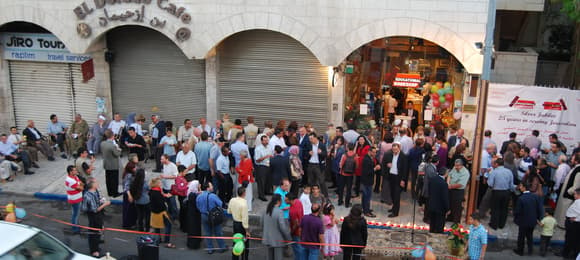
{"type": "Point", "coordinates": [305, 199]}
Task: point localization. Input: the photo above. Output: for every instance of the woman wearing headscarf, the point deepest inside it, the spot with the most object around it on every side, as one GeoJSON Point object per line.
{"type": "Point", "coordinates": [193, 216]}
{"type": "Point", "coordinates": [296, 171]}
{"type": "Point", "coordinates": [354, 232]}
{"type": "Point", "coordinates": [276, 229]}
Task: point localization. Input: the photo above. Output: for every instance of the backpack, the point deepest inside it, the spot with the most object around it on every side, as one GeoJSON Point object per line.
{"type": "Point", "coordinates": [349, 164]}
{"type": "Point", "coordinates": [215, 215]}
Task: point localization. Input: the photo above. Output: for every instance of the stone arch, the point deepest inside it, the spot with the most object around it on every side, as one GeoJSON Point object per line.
{"type": "Point", "coordinates": [287, 25]}
{"type": "Point", "coordinates": [98, 32]}
{"type": "Point", "coordinates": [464, 51]}
{"type": "Point", "coordinates": [38, 17]}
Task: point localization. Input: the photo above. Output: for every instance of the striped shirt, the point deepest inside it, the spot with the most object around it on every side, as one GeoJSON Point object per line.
{"type": "Point", "coordinates": [73, 195]}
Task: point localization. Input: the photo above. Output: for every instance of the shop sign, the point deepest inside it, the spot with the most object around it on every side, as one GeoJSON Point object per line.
{"type": "Point", "coordinates": [403, 80]}
{"type": "Point", "coordinates": [132, 14]}
{"type": "Point", "coordinates": [88, 70]}
{"type": "Point", "coordinates": [38, 47]}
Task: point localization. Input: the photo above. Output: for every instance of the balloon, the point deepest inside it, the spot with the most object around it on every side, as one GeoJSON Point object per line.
{"type": "Point", "coordinates": [434, 89]}
{"type": "Point", "coordinates": [447, 84]}
{"type": "Point", "coordinates": [441, 92]}
{"type": "Point", "coordinates": [436, 103]}
{"type": "Point", "coordinates": [449, 90]}
{"type": "Point", "coordinates": [238, 248]}
{"type": "Point", "coordinates": [20, 213]}
{"type": "Point", "coordinates": [238, 237]}
{"type": "Point", "coordinates": [446, 104]}
{"type": "Point", "coordinates": [442, 99]}
{"type": "Point", "coordinates": [9, 208]}
{"type": "Point", "coordinates": [434, 96]}
{"type": "Point", "coordinates": [457, 115]}
{"type": "Point", "coordinates": [439, 84]}
{"type": "Point", "coordinates": [448, 97]}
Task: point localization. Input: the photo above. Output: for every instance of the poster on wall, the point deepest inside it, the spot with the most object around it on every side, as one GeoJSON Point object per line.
{"type": "Point", "coordinates": [521, 109]}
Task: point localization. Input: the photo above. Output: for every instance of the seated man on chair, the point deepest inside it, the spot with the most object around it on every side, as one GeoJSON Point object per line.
{"type": "Point", "coordinates": [57, 132]}
{"type": "Point", "coordinates": [35, 139]}
{"type": "Point", "coordinates": [19, 141]}
{"type": "Point", "coordinates": [78, 133]}
{"type": "Point", "coordinates": [11, 153]}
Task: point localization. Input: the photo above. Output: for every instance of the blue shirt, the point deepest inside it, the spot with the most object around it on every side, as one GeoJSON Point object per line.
{"type": "Point", "coordinates": [144, 199]}
{"type": "Point", "coordinates": [477, 238]}
{"type": "Point", "coordinates": [205, 204]}
{"type": "Point", "coordinates": [214, 153]}
{"type": "Point", "coordinates": [169, 148]}
{"type": "Point", "coordinates": [223, 164]}
{"type": "Point", "coordinates": [7, 148]}
{"type": "Point", "coordinates": [237, 147]}
{"type": "Point", "coordinates": [501, 179]}
{"type": "Point", "coordinates": [202, 150]}
{"type": "Point", "coordinates": [485, 160]}
{"type": "Point", "coordinates": [283, 193]}
{"type": "Point", "coordinates": [55, 128]}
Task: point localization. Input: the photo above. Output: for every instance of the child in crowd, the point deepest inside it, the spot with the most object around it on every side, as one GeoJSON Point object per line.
{"type": "Point", "coordinates": [305, 200]}
{"type": "Point", "coordinates": [477, 243]}
{"type": "Point", "coordinates": [331, 233]}
{"type": "Point", "coordinates": [548, 223]}
{"type": "Point", "coordinates": [168, 143]}
{"type": "Point", "coordinates": [316, 196]}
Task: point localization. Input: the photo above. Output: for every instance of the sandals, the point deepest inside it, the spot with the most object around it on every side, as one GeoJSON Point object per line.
{"type": "Point", "coordinates": [169, 245]}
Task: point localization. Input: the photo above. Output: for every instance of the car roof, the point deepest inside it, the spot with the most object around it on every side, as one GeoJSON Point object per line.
{"type": "Point", "coordinates": [14, 234]}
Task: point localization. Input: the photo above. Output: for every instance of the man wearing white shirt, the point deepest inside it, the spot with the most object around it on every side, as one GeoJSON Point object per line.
{"type": "Point", "coordinates": [571, 245]}
{"type": "Point", "coordinates": [263, 155]}
{"type": "Point", "coordinates": [117, 124]}
{"type": "Point", "coordinates": [315, 157]}
{"type": "Point", "coordinates": [168, 176]}
{"type": "Point", "coordinates": [185, 131]}
{"type": "Point", "coordinates": [186, 158]}
{"type": "Point", "coordinates": [277, 139]}
{"type": "Point", "coordinates": [203, 126]}
{"type": "Point", "coordinates": [351, 135]}
{"type": "Point", "coordinates": [406, 141]}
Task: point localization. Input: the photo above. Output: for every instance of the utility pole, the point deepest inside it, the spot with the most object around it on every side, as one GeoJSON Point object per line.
{"type": "Point", "coordinates": [481, 109]}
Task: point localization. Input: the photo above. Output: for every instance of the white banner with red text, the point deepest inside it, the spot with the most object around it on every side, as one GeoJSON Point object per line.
{"type": "Point", "coordinates": [521, 109]}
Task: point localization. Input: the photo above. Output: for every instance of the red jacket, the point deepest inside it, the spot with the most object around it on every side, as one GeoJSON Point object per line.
{"type": "Point", "coordinates": [245, 171]}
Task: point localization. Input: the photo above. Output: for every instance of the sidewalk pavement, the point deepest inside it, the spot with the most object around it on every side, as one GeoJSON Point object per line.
{"type": "Point", "coordinates": [48, 183]}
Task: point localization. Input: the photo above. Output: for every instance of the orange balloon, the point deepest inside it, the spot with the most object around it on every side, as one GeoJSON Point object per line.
{"type": "Point", "coordinates": [429, 255]}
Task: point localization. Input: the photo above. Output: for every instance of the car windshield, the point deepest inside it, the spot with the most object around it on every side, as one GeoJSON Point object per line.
{"type": "Point", "coordinates": [39, 247]}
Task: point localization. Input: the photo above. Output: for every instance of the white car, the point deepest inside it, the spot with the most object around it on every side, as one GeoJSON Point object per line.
{"type": "Point", "coordinates": [24, 242]}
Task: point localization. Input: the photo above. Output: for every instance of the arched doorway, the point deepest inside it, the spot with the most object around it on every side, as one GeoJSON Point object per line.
{"type": "Point", "coordinates": [271, 76]}
{"type": "Point", "coordinates": [387, 76]}
{"type": "Point", "coordinates": [44, 77]}
{"type": "Point", "coordinates": [151, 75]}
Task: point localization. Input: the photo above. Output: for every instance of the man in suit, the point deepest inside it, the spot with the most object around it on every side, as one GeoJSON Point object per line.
{"type": "Point", "coordinates": [156, 135]}
{"type": "Point", "coordinates": [395, 168]}
{"type": "Point", "coordinates": [315, 157]}
{"type": "Point", "coordinates": [438, 201]}
{"type": "Point", "coordinates": [411, 112]}
{"type": "Point", "coordinates": [369, 167]}
{"type": "Point", "coordinates": [528, 212]}
{"type": "Point", "coordinates": [304, 145]}
{"type": "Point", "coordinates": [504, 145]}
{"type": "Point", "coordinates": [111, 153]}
{"type": "Point", "coordinates": [34, 139]}
{"type": "Point", "coordinates": [455, 140]}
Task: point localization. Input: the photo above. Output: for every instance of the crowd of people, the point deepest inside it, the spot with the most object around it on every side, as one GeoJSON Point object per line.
{"type": "Point", "coordinates": [205, 170]}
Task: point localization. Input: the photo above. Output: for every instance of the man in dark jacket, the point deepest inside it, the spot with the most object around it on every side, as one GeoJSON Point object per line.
{"type": "Point", "coordinates": [438, 201]}
{"type": "Point", "coordinates": [369, 166]}
{"type": "Point", "coordinates": [527, 213]}
{"type": "Point", "coordinates": [415, 158]}
{"type": "Point", "coordinates": [315, 158]}
{"type": "Point", "coordinates": [396, 170]}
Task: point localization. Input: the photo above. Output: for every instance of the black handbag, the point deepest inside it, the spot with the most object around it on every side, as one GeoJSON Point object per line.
{"type": "Point", "coordinates": [215, 215]}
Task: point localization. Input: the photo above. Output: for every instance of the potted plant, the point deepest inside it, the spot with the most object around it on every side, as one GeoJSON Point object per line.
{"type": "Point", "coordinates": [457, 238]}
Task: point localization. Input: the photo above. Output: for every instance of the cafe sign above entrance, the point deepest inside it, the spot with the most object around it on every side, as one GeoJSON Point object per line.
{"type": "Point", "coordinates": [136, 13]}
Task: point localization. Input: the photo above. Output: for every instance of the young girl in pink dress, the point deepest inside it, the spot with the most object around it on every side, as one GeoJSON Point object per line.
{"type": "Point", "coordinates": [331, 233]}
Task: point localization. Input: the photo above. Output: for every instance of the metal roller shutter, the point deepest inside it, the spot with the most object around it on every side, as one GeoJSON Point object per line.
{"type": "Point", "coordinates": [39, 90]}
{"type": "Point", "coordinates": [149, 71]}
{"type": "Point", "coordinates": [271, 76]}
{"type": "Point", "coordinates": [84, 95]}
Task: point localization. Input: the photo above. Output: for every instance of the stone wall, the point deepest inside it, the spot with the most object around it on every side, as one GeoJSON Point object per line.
{"type": "Point", "coordinates": [515, 67]}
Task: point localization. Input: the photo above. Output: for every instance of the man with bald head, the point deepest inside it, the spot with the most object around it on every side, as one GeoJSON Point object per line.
{"type": "Point", "coordinates": [203, 126]}
{"type": "Point", "coordinates": [35, 139]}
